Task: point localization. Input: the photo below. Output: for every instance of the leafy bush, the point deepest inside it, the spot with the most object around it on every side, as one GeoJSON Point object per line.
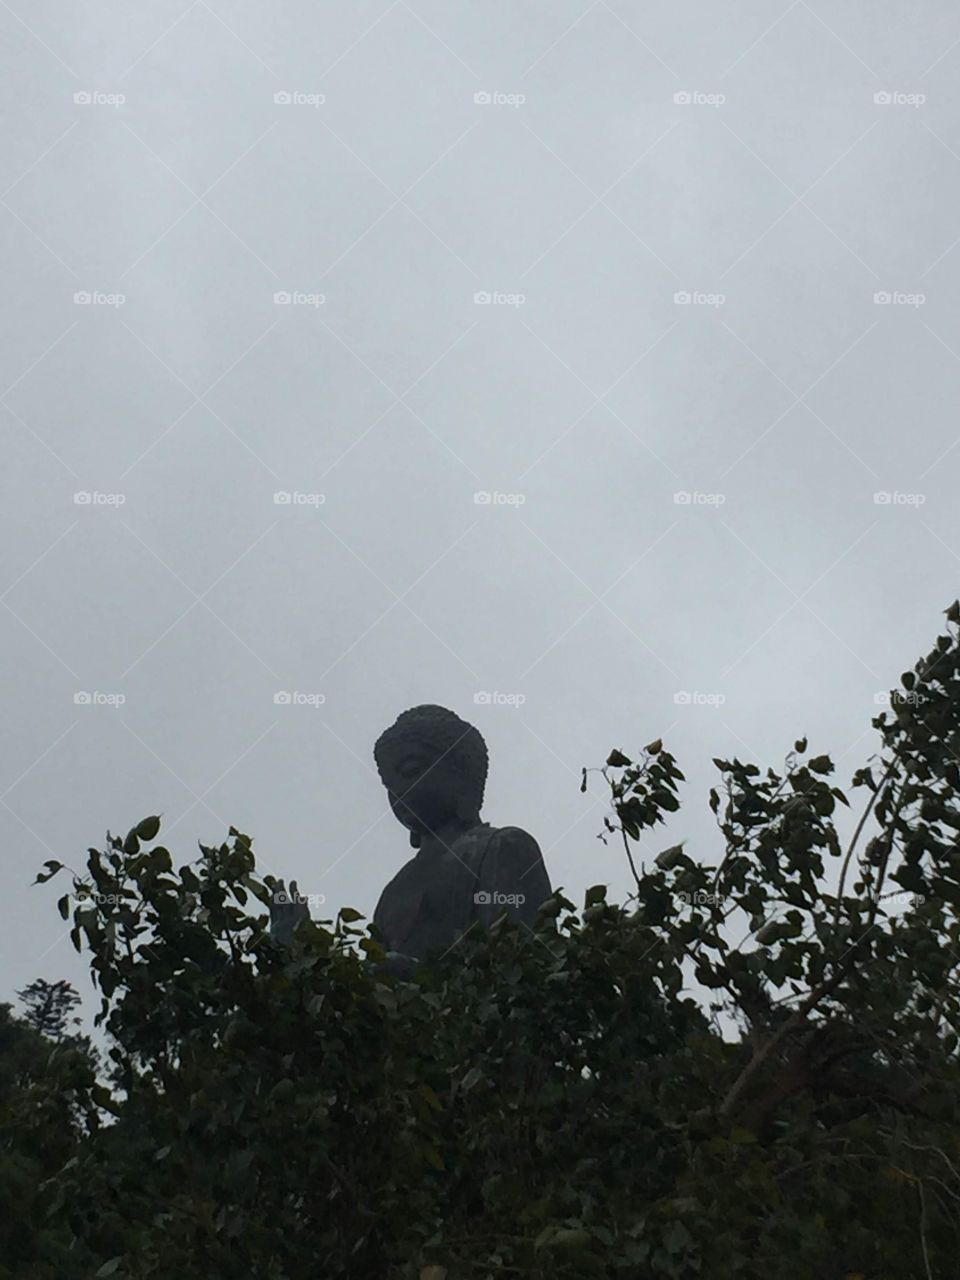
{"type": "Point", "coordinates": [625, 1091]}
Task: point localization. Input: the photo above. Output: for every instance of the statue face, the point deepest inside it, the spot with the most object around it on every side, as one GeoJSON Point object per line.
{"type": "Point", "coordinates": [425, 793]}
{"type": "Point", "coordinates": [434, 766]}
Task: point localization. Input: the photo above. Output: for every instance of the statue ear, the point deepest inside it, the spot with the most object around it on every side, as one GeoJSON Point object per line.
{"type": "Point", "coordinates": [415, 839]}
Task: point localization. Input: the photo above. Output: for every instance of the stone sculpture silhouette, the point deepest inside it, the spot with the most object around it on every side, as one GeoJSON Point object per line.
{"type": "Point", "coordinates": [465, 872]}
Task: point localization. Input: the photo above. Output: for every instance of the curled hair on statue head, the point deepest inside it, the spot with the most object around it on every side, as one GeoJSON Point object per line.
{"type": "Point", "coordinates": [444, 737]}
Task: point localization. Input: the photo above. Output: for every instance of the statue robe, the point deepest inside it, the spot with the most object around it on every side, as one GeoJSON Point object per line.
{"type": "Point", "coordinates": [441, 893]}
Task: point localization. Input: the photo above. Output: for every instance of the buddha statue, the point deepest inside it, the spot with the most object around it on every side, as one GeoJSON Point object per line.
{"type": "Point", "coordinates": [464, 873]}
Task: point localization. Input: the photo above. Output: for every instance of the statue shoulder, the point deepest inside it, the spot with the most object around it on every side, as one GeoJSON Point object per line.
{"type": "Point", "coordinates": [511, 856]}
{"type": "Point", "coordinates": [483, 843]}
{"type": "Point", "coordinates": [513, 845]}
{"type": "Point", "coordinates": [512, 876]}
{"type": "Point", "coordinates": [515, 838]}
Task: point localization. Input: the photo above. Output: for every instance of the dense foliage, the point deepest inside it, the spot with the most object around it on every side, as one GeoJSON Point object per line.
{"type": "Point", "coordinates": [743, 1071]}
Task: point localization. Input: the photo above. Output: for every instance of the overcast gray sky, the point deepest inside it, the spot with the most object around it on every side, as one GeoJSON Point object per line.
{"type": "Point", "coordinates": [584, 259]}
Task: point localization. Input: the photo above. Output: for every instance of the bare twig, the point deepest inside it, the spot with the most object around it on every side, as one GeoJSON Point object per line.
{"type": "Point", "coordinates": [923, 1229]}
{"type": "Point", "coordinates": [857, 833]}
{"type": "Point", "coordinates": [761, 1055]}
{"type": "Point", "coordinates": [626, 845]}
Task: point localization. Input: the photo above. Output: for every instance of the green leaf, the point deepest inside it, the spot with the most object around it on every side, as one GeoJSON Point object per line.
{"type": "Point", "coordinates": [159, 860]}
{"type": "Point", "coordinates": [109, 1268]}
{"type": "Point", "coordinates": [470, 1079]}
{"type": "Point", "coordinates": [742, 1136]}
{"type": "Point", "coordinates": [569, 1238]}
{"type": "Point", "coordinates": [669, 857]}
{"type": "Point", "coordinates": [617, 760]}
{"type": "Point", "coordinates": [148, 828]}
{"type": "Point", "coordinates": [676, 1237]}
{"type": "Point", "coordinates": [372, 949]}
{"type": "Point", "coordinates": [103, 1098]}
{"type": "Point", "coordinates": [52, 868]}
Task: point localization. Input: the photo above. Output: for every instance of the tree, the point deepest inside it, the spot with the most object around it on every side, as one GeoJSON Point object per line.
{"type": "Point", "coordinates": [749, 1069]}
{"type": "Point", "coordinates": [50, 1007]}
{"type": "Point", "coordinates": [46, 1112]}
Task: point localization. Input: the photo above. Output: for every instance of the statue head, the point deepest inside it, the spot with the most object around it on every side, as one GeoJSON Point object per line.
{"type": "Point", "coordinates": [434, 766]}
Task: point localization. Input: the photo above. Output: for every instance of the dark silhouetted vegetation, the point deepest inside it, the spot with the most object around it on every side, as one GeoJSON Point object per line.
{"type": "Point", "coordinates": [749, 1069]}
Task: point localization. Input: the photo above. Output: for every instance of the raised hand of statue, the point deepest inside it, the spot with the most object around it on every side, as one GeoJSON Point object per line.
{"type": "Point", "coordinates": [287, 911]}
